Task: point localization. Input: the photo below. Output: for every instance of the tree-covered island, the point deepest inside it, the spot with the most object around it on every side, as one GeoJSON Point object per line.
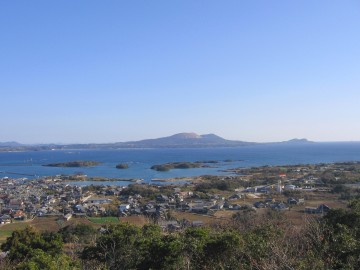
{"type": "Point", "coordinates": [77, 163]}
{"type": "Point", "coordinates": [122, 166]}
{"type": "Point", "coordinates": [180, 165]}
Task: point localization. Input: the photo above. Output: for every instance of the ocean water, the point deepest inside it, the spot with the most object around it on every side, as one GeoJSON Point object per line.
{"type": "Point", "coordinates": [30, 164]}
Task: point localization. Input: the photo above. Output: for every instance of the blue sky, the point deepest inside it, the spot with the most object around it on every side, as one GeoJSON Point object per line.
{"type": "Point", "coordinates": [107, 71]}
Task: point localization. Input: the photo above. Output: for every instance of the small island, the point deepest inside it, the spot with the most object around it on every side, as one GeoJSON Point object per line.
{"type": "Point", "coordinates": [178, 165]}
{"type": "Point", "coordinates": [77, 163]}
{"type": "Point", "coordinates": [122, 166]}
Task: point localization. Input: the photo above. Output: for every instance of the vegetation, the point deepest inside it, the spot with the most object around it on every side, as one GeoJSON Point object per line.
{"type": "Point", "coordinates": [78, 163]}
{"type": "Point", "coordinates": [332, 242]}
{"type": "Point", "coordinates": [82, 233]}
{"type": "Point", "coordinates": [28, 249]}
{"type": "Point", "coordinates": [177, 165]}
{"type": "Point", "coordinates": [122, 166]}
{"type": "Point", "coordinates": [104, 220]}
{"type": "Point", "coordinates": [143, 190]}
{"type": "Point", "coordinates": [214, 183]}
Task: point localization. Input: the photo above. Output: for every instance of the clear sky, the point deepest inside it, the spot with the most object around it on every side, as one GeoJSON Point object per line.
{"type": "Point", "coordinates": [109, 71]}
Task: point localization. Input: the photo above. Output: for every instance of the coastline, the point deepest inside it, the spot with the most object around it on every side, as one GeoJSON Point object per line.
{"type": "Point", "coordinates": [141, 160]}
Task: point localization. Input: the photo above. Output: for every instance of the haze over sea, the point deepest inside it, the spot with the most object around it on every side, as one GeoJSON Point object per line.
{"type": "Point", "coordinates": [140, 160]}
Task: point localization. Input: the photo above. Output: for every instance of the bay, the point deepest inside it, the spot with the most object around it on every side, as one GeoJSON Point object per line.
{"type": "Point", "coordinates": [30, 164]}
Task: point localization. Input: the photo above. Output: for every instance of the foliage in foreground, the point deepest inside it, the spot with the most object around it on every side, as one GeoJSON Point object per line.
{"type": "Point", "coordinates": [332, 242]}
{"type": "Point", "coordinates": [28, 249]}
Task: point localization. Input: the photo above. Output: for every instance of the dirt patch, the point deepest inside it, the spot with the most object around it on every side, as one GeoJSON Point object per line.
{"type": "Point", "coordinates": [135, 220]}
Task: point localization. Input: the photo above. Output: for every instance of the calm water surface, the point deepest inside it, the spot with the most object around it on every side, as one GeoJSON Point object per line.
{"type": "Point", "coordinates": [140, 160]}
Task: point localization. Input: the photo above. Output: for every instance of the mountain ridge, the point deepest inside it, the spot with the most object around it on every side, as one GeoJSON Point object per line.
{"type": "Point", "coordinates": [179, 140]}
{"type": "Point", "coordinates": [186, 139]}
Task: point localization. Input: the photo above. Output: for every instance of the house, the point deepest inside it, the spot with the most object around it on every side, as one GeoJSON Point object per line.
{"type": "Point", "coordinates": [5, 219]}
{"type": "Point", "coordinates": [79, 209]}
{"type": "Point", "coordinates": [151, 211]}
{"type": "Point", "coordinates": [323, 208]}
{"type": "Point", "coordinates": [40, 212]}
{"type": "Point", "coordinates": [259, 205]}
{"type": "Point", "coordinates": [67, 217]}
{"type": "Point", "coordinates": [19, 215]}
{"type": "Point", "coordinates": [79, 215]}
{"type": "Point", "coordinates": [301, 201]}
{"type": "Point", "coordinates": [279, 206]}
{"type": "Point", "coordinates": [16, 204]}
{"type": "Point", "coordinates": [289, 187]}
{"type": "Point", "coordinates": [149, 206]}
{"type": "Point", "coordinates": [1, 203]}
{"type": "Point", "coordinates": [7, 211]}
{"type": "Point", "coordinates": [93, 210]}
{"type": "Point", "coordinates": [235, 197]}
{"type": "Point", "coordinates": [264, 189]}
{"type": "Point", "coordinates": [124, 207]}
{"type": "Point", "coordinates": [136, 211]}
{"type": "Point", "coordinates": [218, 206]}
{"type": "Point", "coordinates": [98, 201]}
{"type": "Point", "coordinates": [292, 201]}
{"type": "Point", "coordinates": [269, 200]}
{"type": "Point", "coordinates": [183, 206]}
{"type": "Point", "coordinates": [200, 209]}
{"type": "Point", "coordinates": [236, 207]}
{"type": "Point", "coordinates": [162, 198]}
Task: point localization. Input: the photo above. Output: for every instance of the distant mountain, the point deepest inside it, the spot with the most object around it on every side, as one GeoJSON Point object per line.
{"type": "Point", "coordinates": [10, 144]}
{"type": "Point", "coordinates": [300, 141]}
{"type": "Point", "coordinates": [180, 140]}
{"type": "Point", "coordinates": [185, 140]}
{"type": "Point", "coordinates": [293, 141]}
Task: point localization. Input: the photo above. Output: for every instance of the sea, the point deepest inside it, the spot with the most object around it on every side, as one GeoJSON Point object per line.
{"type": "Point", "coordinates": [29, 165]}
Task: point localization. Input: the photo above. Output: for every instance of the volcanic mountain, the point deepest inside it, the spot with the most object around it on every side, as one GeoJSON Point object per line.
{"type": "Point", "coordinates": [180, 140]}
{"type": "Point", "coordinates": [186, 140]}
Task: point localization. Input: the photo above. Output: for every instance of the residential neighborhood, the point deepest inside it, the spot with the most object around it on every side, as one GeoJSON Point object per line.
{"type": "Point", "coordinates": [23, 200]}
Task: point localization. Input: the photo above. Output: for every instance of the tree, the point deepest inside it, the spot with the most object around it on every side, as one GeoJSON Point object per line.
{"type": "Point", "coordinates": [22, 242]}
{"type": "Point", "coordinates": [343, 233]}
{"type": "Point", "coordinates": [224, 251]}
{"type": "Point", "coordinates": [116, 247]}
{"type": "Point", "coordinates": [30, 249]}
{"type": "Point", "coordinates": [43, 260]}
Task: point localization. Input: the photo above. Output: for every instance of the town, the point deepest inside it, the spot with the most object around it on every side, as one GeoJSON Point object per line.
{"type": "Point", "coordinates": [253, 218]}
{"type": "Point", "coordinates": [300, 190]}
